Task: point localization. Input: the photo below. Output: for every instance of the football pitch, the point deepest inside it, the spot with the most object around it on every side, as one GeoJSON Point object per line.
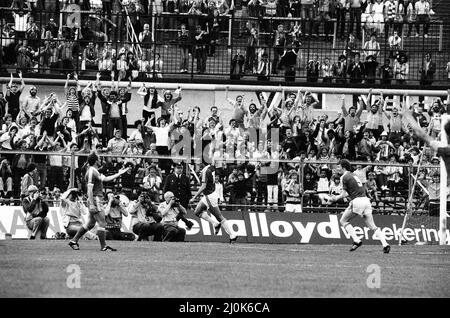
{"type": "Point", "coordinates": [205, 270]}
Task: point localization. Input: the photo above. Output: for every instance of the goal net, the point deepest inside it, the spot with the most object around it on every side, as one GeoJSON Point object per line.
{"type": "Point", "coordinates": [425, 220]}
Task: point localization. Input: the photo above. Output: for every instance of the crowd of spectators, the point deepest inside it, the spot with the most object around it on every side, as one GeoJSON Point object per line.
{"type": "Point", "coordinates": [36, 42]}
{"type": "Point", "coordinates": [246, 149]}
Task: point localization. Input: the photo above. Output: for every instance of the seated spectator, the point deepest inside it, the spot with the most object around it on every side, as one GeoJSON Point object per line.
{"type": "Point", "coordinates": [71, 209]}
{"type": "Point", "coordinates": [36, 210]}
{"type": "Point", "coordinates": [113, 216]}
{"type": "Point", "coordinates": [169, 211]}
{"type": "Point", "coordinates": [145, 219]}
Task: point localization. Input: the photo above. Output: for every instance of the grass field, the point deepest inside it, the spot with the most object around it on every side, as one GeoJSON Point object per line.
{"type": "Point", "coordinates": [155, 269]}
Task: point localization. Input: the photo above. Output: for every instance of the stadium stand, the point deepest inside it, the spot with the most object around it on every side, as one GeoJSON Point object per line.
{"type": "Point", "coordinates": [268, 41]}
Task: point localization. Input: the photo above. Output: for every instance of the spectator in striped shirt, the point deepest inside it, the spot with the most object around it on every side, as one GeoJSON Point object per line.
{"type": "Point", "coordinates": [72, 98]}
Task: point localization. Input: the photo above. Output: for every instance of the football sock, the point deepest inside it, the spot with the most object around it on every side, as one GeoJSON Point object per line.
{"type": "Point", "coordinates": [101, 237]}
{"type": "Point", "coordinates": [205, 216]}
{"type": "Point", "coordinates": [79, 234]}
{"type": "Point", "coordinates": [227, 227]}
{"type": "Point", "coordinates": [350, 230]}
{"type": "Point", "coordinates": [380, 235]}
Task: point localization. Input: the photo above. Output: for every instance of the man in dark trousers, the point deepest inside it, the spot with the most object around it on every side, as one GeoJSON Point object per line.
{"type": "Point", "coordinates": [180, 185]}
{"type": "Point", "coordinates": [428, 70]}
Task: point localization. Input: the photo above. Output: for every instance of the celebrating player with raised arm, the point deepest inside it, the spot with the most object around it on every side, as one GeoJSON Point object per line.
{"type": "Point", "coordinates": [95, 196]}
{"type": "Point", "coordinates": [359, 206]}
{"type": "Point", "coordinates": [210, 201]}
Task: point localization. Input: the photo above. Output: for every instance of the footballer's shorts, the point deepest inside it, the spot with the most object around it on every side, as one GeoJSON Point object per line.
{"type": "Point", "coordinates": [360, 206]}
{"type": "Point", "coordinates": [210, 200]}
{"type": "Point", "coordinates": [98, 205]}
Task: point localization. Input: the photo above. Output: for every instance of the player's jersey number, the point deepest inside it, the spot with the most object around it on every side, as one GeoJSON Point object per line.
{"type": "Point", "coordinates": [358, 181]}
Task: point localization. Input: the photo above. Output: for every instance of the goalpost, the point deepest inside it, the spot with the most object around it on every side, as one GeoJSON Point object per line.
{"type": "Point", "coordinates": [444, 190]}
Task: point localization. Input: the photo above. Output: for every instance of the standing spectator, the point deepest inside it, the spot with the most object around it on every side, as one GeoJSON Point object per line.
{"type": "Point", "coordinates": [352, 118]}
{"type": "Point", "coordinates": [200, 49]}
{"type": "Point", "coordinates": [20, 23]}
{"type": "Point", "coordinates": [36, 210]}
{"type": "Point", "coordinates": [13, 96]}
{"type": "Point", "coordinates": [355, 14]}
{"type": "Point", "coordinates": [308, 15]}
{"type": "Point", "coordinates": [113, 112]}
{"type": "Point", "coordinates": [410, 16]}
{"type": "Point", "coordinates": [180, 185]}
{"type": "Point", "coordinates": [401, 70]}
{"type": "Point", "coordinates": [152, 183]}
{"type": "Point", "coordinates": [372, 47]}
{"type": "Point", "coordinates": [263, 70]}
{"type": "Point", "coordinates": [65, 56]}
{"type": "Point", "coordinates": [340, 70]}
{"type": "Point", "coordinates": [90, 57]}
{"type": "Point", "coordinates": [250, 53]}
{"type": "Point", "coordinates": [386, 73]}
{"type": "Point", "coordinates": [185, 47]}
{"type": "Point", "coordinates": [156, 66]}
{"type": "Point", "coordinates": [371, 67]}
{"type": "Point", "coordinates": [356, 70]}
{"type": "Point", "coordinates": [31, 105]}
{"type": "Point", "coordinates": [72, 97]}
{"type": "Point", "coordinates": [427, 71]}
{"type": "Point", "coordinates": [117, 145]}
{"type": "Point", "coordinates": [341, 12]}
{"type": "Point", "coordinates": [312, 69]}
{"type": "Point", "coordinates": [292, 190]}
{"type": "Point", "coordinates": [327, 71]}
{"type": "Point", "coordinates": [146, 39]}
{"type": "Point", "coordinates": [389, 16]}
{"type": "Point", "coordinates": [278, 45]}
{"type": "Point", "coordinates": [422, 8]}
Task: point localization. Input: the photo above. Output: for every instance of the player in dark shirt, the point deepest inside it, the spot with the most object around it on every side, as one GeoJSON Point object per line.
{"type": "Point", "coordinates": [442, 150]}
{"type": "Point", "coordinates": [94, 180]}
{"type": "Point", "coordinates": [210, 201]}
{"type": "Point", "coordinates": [359, 205]}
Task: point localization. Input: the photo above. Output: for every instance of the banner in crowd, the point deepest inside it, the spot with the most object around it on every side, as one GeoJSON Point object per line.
{"type": "Point", "coordinates": [258, 227]}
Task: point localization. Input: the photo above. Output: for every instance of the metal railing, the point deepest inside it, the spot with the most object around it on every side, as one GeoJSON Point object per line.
{"type": "Point", "coordinates": [391, 201]}
{"type": "Point", "coordinates": [226, 53]}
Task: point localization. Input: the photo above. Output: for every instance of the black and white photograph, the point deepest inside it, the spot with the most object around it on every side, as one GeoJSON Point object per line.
{"type": "Point", "coordinates": [219, 157]}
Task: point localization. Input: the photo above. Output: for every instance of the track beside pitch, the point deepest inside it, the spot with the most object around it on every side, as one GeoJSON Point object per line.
{"type": "Point", "coordinates": [148, 269]}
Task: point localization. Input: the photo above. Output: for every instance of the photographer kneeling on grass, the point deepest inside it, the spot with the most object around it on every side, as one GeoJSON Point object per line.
{"type": "Point", "coordinates": [145, 219]}
{"type": "Point", "coordinates": [113, 216]}
{"type": "Point", "coordinates": [36, 211]}
{"type": "Point", "coordinates": [170, 210]}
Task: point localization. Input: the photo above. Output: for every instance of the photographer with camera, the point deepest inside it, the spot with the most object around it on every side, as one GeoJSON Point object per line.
{"type": "Point", "coordinates": [145, 219]}
{"type": "Point", "coordinates": [169, 210]}
{"type": "Point", "coordinates": [113, 216]}
{"type": "Point", "coordinates": [71, 209]}
{"type": "Point", "coordinates": [36, 210]}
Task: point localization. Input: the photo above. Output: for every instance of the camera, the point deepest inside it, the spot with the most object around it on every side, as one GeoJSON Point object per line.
{"type": "Point", "coordinates": [176, 201]}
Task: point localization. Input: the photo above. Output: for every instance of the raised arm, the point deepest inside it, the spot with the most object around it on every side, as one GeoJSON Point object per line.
{"type": "Point", "coordinates": [22, 82]}
{"type": "Point", "coordinates": [344, 110]}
